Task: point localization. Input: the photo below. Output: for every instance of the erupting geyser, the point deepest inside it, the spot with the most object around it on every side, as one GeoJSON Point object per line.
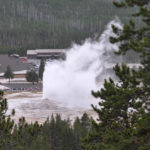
{"type": "Point", "coordinates": [70, 82]}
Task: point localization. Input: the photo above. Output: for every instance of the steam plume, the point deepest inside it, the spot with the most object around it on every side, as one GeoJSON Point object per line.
{"type": "Point", "coordinates": [70, 82]}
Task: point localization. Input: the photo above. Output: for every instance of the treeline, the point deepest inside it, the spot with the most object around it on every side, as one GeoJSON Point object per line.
{"type": "Point", "coordinates": [31, 24]}
{"type": "Point", "coordinates": [54, 134]}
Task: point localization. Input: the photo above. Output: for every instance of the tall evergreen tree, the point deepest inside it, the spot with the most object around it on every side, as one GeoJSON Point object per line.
{"type": "Point", "coordinates": [41, 68]}
{"type": "Point", "coordinates": [123, 116]}
{"type": "Point", "coordinates": [8, 73]}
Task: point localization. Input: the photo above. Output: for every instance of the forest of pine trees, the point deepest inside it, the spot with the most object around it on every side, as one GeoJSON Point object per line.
{"type": "Point", "coordinates": [33, 24]}
{"type": "Point", "coordinates": [54, 134]}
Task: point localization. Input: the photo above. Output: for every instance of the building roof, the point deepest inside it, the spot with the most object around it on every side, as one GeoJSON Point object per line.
{"type": "Point", "coordinates": [20, 72]}
{"type": "Point", "coordinates": [37, 51]}
{"type": "Point", "coordinates": [31, 52]}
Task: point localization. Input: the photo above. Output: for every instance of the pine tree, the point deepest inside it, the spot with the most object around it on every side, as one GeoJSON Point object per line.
{"type": "Point", "coordinates": [54, 134]}
{"type": "Point", "coordinates": [41, 68]}
{"type": "Point", "coordinates": [31, 76]}
{"type": "Point", "coordinates": [6, 124]}
{"type": "Point", "coordinates": [8, 73]}
{"type": "Point", "coordinates": [124, 108]}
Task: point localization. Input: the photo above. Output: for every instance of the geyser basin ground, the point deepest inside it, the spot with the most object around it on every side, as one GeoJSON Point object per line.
{"type": "Point", "coordinates": [34, 108]}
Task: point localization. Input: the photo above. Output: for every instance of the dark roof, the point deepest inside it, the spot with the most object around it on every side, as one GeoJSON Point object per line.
{"type": "Point", "coordinates": [15, 63]}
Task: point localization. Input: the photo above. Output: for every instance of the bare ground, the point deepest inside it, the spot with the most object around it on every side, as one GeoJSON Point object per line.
{"type": "Point", "coordinates": [34, 108]}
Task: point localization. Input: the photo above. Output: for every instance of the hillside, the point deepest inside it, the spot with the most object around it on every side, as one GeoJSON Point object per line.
{"type": "Point", "coordinates": [30, 24]}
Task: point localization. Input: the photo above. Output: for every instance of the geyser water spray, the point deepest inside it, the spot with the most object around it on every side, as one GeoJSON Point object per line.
{"type": "Point", "coordinates": [70, 82]}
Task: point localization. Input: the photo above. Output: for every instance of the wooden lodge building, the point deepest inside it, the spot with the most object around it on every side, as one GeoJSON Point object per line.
{"type": "Point", "coordinates": [46, 53]}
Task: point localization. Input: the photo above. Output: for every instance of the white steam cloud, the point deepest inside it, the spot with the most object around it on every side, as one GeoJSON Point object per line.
{"type": "Point", "coordinates": [70, 82]}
